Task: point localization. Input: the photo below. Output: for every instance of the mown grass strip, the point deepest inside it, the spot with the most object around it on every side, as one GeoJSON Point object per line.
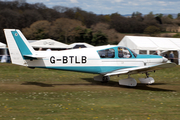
{"type": "Point", "coordinates": [44, 94]}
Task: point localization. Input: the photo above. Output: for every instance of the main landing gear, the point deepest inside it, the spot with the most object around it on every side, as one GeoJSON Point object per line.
{"type": "Point", "coordinates": [103, 79]}
{"type": "Point", "coordinates": [131, 82]}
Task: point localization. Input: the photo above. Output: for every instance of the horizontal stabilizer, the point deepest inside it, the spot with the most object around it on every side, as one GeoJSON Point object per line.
{"type": "Point", "coordinates": [34, 56]}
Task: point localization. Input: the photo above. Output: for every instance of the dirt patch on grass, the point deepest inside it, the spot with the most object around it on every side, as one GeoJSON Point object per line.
{"type": "Point", "coordinates": [42, 86]}
{"type": "Point", "coordinates": [36, 86]}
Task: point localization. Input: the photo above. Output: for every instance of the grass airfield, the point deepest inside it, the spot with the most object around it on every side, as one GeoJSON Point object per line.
{"type": "Point", "coordinates": [43, 94]}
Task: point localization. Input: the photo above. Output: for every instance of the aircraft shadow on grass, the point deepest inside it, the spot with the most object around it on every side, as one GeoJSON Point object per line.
{"type": "Point", "coordinates": [38, 84]}
{"type": "Point", "coordinates": [51, 85]}
{"type": "Point", "coordinates": [139, 86]}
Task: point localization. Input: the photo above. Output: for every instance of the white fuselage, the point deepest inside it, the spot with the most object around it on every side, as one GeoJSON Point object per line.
{"type": "Point", "coordinates": [88, 60]}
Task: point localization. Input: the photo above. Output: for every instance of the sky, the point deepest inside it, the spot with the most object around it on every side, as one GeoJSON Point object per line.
{"type": "Point", "coordinates": [120, 6]}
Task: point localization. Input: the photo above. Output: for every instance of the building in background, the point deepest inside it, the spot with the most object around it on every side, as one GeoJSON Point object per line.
{"type": "Point", "coordinates": [45, 44]}
{"type": "Point", "coordinates": [4, 54]}
{"type": "Point", "coordinates": [151, 45]}
{"type": "Point", "coordinates": [80, 45]}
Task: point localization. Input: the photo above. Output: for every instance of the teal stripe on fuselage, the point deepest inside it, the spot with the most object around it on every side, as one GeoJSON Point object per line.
{"type": "Point", "coordinates": [140, 56]}
{"type": "Point", "coordinates": [94, 69]}
{"type": "Point", "coordinates": [21, 45]}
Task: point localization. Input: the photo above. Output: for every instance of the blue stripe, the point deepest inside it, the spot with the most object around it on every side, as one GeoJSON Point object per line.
{"type": "Point", "coordinates": [89, 69]}
{"type": "Point", "coordinates": [21, 45]}
{"type": "Point", "coordinates": [148, 56]}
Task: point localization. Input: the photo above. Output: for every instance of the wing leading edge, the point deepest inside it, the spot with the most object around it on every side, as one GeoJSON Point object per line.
{"type": "Point", "coordinates": [143, 69]}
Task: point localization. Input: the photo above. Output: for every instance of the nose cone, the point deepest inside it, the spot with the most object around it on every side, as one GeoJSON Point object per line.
{"type": "Point", "coordinates": [164, 60]}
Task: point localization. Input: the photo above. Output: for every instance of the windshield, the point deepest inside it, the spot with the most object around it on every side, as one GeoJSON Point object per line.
{"type": "Point", "coordinates": [135, 55]}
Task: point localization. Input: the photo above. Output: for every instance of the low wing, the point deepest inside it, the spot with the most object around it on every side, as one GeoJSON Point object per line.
{"type": "Point", "coordinates": [143, 69]}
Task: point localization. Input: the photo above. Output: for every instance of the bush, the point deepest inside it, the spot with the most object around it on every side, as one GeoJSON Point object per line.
{"type": "Point", "coordinates": [176, 35]}
{"type": "Point", "coordinates": [151, 30]}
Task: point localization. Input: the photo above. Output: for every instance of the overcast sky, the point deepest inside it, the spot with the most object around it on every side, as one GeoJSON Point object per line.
{"type": "Point", "coordinates": [120, 6]}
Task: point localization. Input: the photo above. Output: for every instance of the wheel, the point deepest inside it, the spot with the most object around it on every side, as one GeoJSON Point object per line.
{"type": "Point", "coordinates": [105, 79]}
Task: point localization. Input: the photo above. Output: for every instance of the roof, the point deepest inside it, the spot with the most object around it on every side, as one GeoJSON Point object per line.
{"type": "Point", "coordinates": [2, 45]}
{"type": "Point", "coordinates": [97, 48]}
{"type": "Point", "coordinates": [150, 43]}
{"type": "Point", "coordinates": [81, 44]}
{"type": "Point", "coordinates": [47, 43]}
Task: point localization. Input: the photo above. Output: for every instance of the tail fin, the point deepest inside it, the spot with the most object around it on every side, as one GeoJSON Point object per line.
{"type": "Point", "coordinates": [18, 46]}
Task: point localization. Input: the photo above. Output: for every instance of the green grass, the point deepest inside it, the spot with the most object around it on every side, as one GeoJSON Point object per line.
{"type": "Point", "coordinates": [42, 94]}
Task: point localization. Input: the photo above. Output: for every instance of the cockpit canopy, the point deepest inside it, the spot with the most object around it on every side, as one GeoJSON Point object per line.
{"type": "Point", "coordinates": [117, 52]}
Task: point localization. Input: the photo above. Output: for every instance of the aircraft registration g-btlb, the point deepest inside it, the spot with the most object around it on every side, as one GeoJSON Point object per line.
{"type": "Point", "coordinates": [103, 60]}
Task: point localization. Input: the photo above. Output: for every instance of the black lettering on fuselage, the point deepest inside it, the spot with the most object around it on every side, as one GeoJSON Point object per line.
{"type": "Point", "coordinates": [65, 59]}
{"type": "Point", "coordinates": [69, 59]}
{"type": "Point", "coordinates": [76, 60]}
{"type": "Point", "coordinates": [52, 60]}
{"type": "Point", "coordinates": [84, 59]}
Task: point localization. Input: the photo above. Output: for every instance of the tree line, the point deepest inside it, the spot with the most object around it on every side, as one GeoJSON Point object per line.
{"type": "Point", "coordinates": [76, 25]}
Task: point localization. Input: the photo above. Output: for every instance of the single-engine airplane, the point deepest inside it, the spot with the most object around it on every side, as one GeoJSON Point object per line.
{"type": "Point", "coordinates": [103, 60]}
